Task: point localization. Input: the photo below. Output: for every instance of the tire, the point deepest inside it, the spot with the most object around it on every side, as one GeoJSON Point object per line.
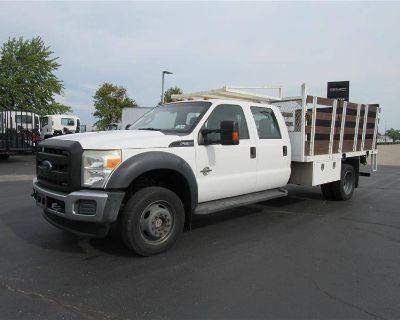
{"type": "Point", "coordinates": [327, 192]}
{"type": "Point", "coordinates": [343, 189]}
{"type": "Point", "coordinates": [152, 221]}
{"type": "Point", "coordinates": [4, 156]}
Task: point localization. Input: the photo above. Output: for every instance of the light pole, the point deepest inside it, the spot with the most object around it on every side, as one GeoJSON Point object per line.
{"type": "Point", "coordinates": [385, 130]}
{"type": "Point", "coordinates": [162, 85]}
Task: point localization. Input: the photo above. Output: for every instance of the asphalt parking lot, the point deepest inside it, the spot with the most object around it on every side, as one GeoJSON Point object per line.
{"type": "Point", "coordinates": [297, 257]}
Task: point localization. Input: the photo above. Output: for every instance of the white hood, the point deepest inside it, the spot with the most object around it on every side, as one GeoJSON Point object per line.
{"type": "Point", "coordinates": [121, 139]}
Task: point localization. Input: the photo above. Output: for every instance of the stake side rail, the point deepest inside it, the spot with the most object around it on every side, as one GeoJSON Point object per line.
{"type": "Point", "coordinates": [329, 128]}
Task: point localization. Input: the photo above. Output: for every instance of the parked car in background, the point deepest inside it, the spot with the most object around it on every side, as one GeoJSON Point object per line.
{"type": "Point", "coordinates": [114, 126]}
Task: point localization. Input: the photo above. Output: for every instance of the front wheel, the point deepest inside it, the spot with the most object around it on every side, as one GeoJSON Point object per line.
{"type": "Point", "coordinates": [152, 220]}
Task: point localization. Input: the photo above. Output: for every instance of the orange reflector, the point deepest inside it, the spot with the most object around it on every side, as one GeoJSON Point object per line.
{"type": "Point", "coordinates": [112, 163]}
{"type": "Point", "coordinates": [235, 136]}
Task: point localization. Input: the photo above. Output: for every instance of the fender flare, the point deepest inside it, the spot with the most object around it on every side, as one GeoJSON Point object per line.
{"type": "Point", "coordinates": [139, 164]}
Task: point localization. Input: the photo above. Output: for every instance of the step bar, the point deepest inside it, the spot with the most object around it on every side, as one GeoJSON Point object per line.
{"type": "Point", "coordinates": [232, 202]}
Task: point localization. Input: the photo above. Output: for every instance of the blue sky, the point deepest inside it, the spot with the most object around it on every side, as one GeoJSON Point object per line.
{"type": "Point", "coordinates": [209, 45]}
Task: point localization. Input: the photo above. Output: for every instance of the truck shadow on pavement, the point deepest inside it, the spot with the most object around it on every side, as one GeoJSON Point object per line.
{"type": "Point", "coordinates": [113, 244]}
{"type": "Point", "coordinates": [36, 231]}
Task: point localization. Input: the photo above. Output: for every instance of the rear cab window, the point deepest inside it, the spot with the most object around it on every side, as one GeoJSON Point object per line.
{"type": "Point", "coordinates": [266, 123]}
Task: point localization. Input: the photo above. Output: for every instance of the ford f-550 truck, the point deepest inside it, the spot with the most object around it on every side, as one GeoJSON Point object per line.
{"type": "Point", "coordinates": [206, 152]}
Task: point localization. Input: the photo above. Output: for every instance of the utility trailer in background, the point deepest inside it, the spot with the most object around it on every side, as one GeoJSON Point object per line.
{"type": "Point", "coordinates": [324, 133]}
{"type": "Point", "coordinates": [19, 132]}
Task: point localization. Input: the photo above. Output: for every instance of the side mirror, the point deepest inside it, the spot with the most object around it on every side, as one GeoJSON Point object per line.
{"type": "Point", "coordinates": [229, 132]}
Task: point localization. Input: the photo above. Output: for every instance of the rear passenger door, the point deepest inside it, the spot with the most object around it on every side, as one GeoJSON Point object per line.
{"type": "Point", "coordinates": [273, 162]}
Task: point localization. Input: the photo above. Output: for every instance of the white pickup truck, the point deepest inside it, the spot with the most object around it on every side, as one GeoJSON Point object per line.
{"type": "Point", "coordinates": [213, 151]}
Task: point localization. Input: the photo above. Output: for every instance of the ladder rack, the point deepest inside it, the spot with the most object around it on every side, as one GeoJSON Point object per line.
{"type": "Point", "coordinates": [233, 92]}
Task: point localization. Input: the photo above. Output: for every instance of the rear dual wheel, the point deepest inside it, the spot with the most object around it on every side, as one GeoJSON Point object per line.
{"type": "Point", "coordinates": [342, 189]}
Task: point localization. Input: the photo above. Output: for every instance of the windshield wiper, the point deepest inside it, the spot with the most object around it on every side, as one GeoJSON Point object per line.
{"type": "Point", "coordinates": [150, 129]}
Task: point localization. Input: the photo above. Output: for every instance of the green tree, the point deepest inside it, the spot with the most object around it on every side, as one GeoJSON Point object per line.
{"type": "Point", "coordinates": [55, 108]}
{"type": "Point", "coordinates": [170, 92]}
{"type": "Point", "coordinates": [109, 100]}
{"type": "Point", "coordinates": [393, 133]}
{"type": "Point", "coordinates": [27, 77]}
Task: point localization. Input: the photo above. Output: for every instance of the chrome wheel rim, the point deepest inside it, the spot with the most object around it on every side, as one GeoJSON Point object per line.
{"type": "Point", "coordinates": [156, 222]}
{"type": "Point", "coordinates": [347, 182]}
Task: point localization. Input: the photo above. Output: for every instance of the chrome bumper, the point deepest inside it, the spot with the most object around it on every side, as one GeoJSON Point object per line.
{"type": "Point", "coordinates": [106, 204]}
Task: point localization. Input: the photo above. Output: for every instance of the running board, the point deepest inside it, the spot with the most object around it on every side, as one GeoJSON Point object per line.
{"type": "Point", "coordinates": [228, 203]}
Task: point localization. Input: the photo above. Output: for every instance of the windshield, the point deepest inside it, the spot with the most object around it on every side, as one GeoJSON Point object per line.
{"type": "Point", "coordinates": [45, 121]}
{"type": "Point", "coordinates": [176, 117]}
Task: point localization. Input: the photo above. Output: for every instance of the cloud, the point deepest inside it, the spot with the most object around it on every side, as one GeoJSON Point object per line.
{"type": "Point", "coordinates": [208, 45]}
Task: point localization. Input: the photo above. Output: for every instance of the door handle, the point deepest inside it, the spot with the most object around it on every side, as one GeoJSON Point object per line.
{"type": "Point", "coordinates": [284, 151]}
{"type": "Point", "coordinates": [253, 152]}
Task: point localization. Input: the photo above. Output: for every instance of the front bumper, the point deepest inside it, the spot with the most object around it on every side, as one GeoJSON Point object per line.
{"type": "Point", "coordinates": [78, 211]}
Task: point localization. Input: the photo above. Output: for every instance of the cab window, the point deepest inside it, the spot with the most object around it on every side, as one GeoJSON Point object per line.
{"type": "Point", "coordinates": [226, 112]}
{"type": "Point", "coordinates": [267, 125]}
{"type": "Point", "coordinates": [67, 122]}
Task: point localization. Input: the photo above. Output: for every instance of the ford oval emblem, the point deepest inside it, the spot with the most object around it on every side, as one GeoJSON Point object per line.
{"type": "Point", "coordinates": [46, 165]}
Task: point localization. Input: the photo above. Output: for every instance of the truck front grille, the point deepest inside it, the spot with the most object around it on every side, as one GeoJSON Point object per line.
{"type": "Point", "coordinates": [58, 165]}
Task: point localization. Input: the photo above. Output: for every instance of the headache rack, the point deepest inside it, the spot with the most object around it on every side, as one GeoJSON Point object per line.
{"type": "Point", "coordinates": [319, 128]}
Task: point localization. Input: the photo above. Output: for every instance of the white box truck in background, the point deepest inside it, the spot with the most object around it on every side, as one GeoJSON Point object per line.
{"type": "Point", "coordinates": [59, 124]}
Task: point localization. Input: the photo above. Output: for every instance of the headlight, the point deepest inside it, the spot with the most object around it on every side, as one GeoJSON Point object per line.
{"type": "Point", "coordinates": [97, 165]}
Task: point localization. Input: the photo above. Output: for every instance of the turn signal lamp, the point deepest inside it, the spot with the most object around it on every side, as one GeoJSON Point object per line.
{"type": "Point", "coordinates": [235, 136]}
{"type": "Point", "coordinates": [112, 163]}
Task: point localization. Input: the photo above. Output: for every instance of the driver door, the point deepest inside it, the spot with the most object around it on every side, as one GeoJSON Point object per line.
{"type": "Point", "coordinates": [225, 170]}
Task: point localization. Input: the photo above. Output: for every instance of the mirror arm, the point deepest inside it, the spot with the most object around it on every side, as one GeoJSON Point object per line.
{"type": "Point", "coordinates": [207, 131]}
